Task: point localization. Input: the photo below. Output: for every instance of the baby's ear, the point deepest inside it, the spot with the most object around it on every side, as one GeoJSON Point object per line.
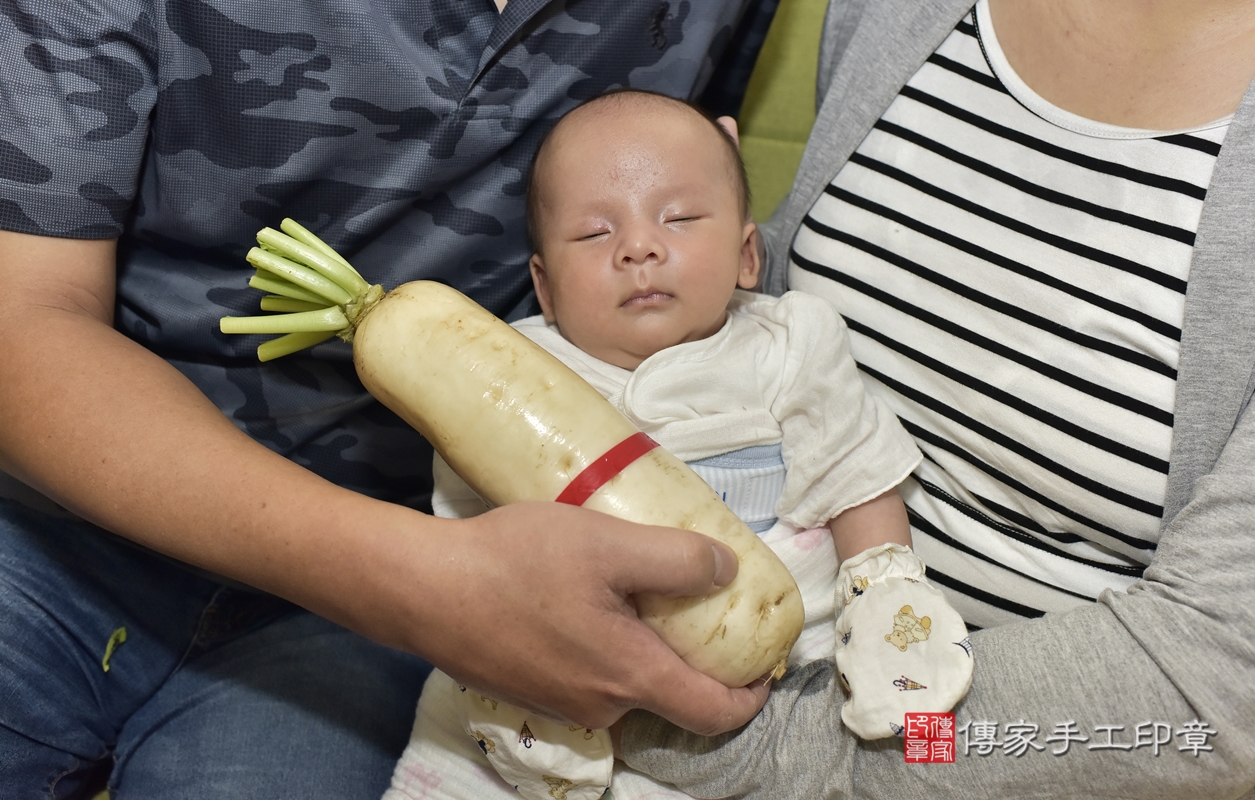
{"type": "Point", "coordinates": [729, 125]}
{"type": "Point", "coordinates": [540, 281]}
{"type": "Point", "coordinates": [751, 261]}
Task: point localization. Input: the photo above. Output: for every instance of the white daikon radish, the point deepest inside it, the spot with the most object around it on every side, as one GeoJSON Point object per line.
{"type": "Point", "coordinates": [517, 424]}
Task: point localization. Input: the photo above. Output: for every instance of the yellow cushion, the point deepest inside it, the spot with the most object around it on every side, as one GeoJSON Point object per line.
{"type": "Point", "coordinates": [779, 106]}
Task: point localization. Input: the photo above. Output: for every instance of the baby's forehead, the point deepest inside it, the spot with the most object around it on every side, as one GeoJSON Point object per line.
{"type": "Point", "coordinates": [632, 112]}
{"type": "Point", "coordinates": [601, 129]}
{"type": "Point", "coordinates": [612, 126]}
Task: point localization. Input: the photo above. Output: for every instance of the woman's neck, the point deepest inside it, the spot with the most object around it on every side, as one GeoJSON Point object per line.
{"type": "Point", "coordinates": [1154, 64]}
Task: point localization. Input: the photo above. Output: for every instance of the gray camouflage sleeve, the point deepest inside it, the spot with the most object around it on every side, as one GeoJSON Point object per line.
{"type": "Point", "coordinates": [75, 96]}
{"type": "Point", "coordinates": [1095, 692]}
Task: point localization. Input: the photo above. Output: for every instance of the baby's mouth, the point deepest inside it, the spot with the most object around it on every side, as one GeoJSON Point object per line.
{"type": "Point", "coordinates": [646, 298]}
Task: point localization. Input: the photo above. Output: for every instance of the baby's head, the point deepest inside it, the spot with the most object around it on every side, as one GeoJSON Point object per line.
{"type": "Point", "coordinates": [638, 209]}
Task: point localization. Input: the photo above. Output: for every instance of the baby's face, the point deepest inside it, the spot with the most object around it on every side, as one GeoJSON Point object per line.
{"type": "Point", "coordinates": [643, 238]}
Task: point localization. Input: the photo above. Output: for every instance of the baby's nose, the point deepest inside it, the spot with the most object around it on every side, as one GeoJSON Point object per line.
{"type": "Point", "coordinates": [641, 244]}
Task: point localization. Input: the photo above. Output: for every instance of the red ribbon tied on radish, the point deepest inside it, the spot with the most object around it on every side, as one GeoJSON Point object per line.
{"type": "Point", "coordinates": [598, 473]}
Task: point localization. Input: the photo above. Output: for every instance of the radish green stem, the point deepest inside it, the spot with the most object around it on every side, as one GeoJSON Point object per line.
{"type": "Point", "coordinates": [298, 232]}
{"type": "Point", "coordinates": [286, 345]}
{"type": "Point", "coordinates": [328, 319]}
{"type": "Point", "coordinates": [299, 274]}
{"type": "Point", "coordinates": [317, 291]}
{"type": "Point", "coordinates": [275, 302]}
{"type": "Point", "coordinates": [268, 282]}
{"type": "Point", "coordinates": [331, 268]}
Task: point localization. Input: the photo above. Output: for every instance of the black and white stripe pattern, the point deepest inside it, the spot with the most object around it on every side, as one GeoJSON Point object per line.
{"type": "Point", "coordinates": [1014, 281]}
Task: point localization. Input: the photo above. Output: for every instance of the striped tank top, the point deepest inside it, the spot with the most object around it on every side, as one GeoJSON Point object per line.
{"type": "Point", "coordinates": [1014, 279]}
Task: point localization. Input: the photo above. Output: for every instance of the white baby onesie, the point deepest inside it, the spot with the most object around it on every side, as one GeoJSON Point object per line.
{"type": "Point", "coordinates": [770, 411]}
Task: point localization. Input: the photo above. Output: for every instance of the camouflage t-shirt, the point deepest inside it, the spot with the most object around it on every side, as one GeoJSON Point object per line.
{"type": "Point", "coordinates": [398, 130]}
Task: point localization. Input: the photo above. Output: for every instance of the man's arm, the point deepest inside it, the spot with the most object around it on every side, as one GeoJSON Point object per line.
{"type": "Point", "coordinates": [527, 602]}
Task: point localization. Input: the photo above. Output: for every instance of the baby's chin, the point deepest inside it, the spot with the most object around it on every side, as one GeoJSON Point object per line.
{"type": "Point", "coordinates": [624, 358]}
{"type": "Point", "coordinates": [625, 355]}
{"type": "Point", "coordinates": [645, 336]}
{"type": "Point", "coordinates": [635, 353]}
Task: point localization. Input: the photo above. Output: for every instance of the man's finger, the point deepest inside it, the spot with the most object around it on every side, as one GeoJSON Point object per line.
{"type": "Point", "coordinates": [672, 562]}
{"type": "Point", "coordinates": [705, 706]}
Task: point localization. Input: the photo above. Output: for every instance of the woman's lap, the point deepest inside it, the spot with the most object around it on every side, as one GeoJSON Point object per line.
{"type": "Point", "coordinates": [214, 692]}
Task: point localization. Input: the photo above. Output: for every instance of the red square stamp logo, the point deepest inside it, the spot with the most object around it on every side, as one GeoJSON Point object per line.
{"type": "Point", "coordinates": [928, 738]}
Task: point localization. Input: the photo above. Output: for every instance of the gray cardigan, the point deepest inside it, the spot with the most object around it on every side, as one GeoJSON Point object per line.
{"type": "Point", "coordinates": [1178, 646]}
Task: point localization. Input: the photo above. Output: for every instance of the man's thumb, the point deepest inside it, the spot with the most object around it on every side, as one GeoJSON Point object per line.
{"type": "Point", "coordinates": [677, 563]}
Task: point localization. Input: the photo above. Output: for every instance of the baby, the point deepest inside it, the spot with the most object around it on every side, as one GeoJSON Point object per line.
{"type": "Point", "coordinates": [638, 211]}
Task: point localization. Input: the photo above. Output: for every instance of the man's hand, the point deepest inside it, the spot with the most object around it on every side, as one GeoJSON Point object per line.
{"type": "Point", "coordinates": [531, 604]}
